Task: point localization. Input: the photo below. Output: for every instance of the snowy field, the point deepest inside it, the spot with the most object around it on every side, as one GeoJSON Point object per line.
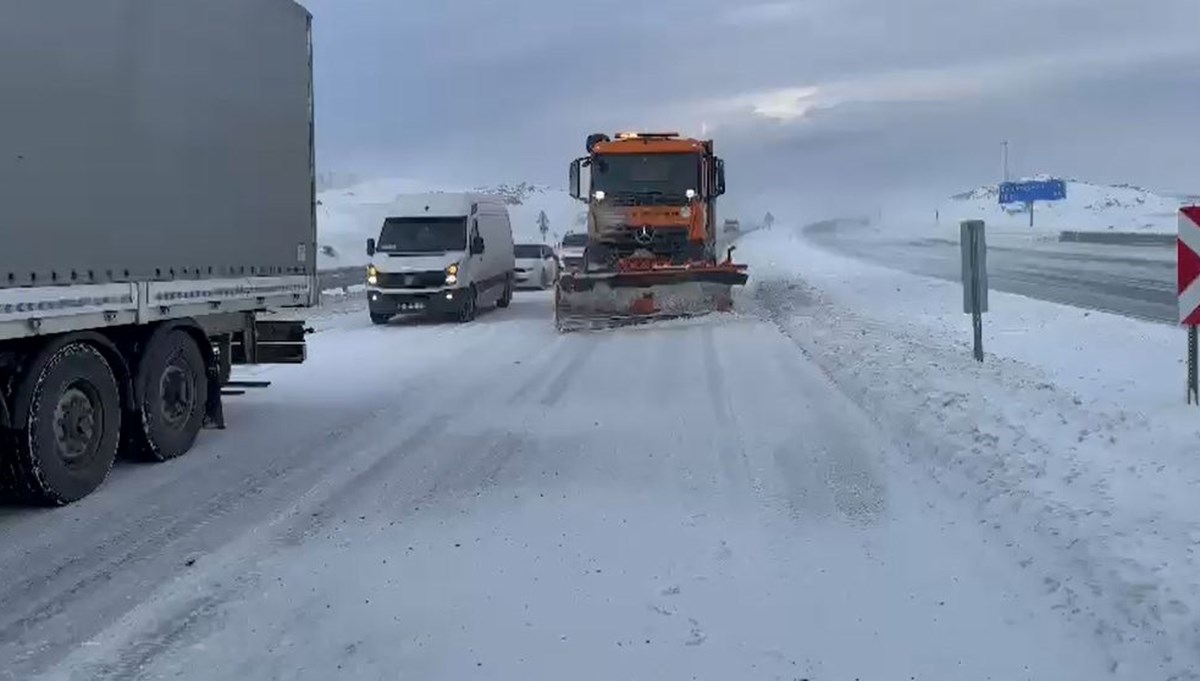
{"type": "Point", "coordinates": [1089, 207]}
{"type": "Point", "coordinates": [821, 486]}
{"type": "Point", "coordinates": [348, 216]}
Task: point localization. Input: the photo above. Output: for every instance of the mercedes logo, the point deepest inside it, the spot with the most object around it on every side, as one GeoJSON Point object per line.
{"type": "Point", "coordinates": [644, 235]}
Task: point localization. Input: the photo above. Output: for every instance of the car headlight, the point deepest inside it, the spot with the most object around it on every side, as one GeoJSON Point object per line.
{"type": "Point", "coordinates": [372, 275]}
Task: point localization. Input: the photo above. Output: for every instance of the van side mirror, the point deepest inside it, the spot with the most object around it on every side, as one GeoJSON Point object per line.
{"type": "Point", "coordinates": [477, 246]}
{"type": "Point", "coordinates": [370, 247]}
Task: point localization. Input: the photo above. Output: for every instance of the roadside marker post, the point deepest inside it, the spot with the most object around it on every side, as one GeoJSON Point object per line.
{"type": "Point", "coordinates": [974, 277]}
{"type": "Point", "coordinates": [1188, 267]}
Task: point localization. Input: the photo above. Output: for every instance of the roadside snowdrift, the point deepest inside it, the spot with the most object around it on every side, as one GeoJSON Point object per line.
{"type": "Point", "coordinates": [1071, 442]}
{"type": "Point", "coordinates": [1087, 208]}
{"type": "Point", "coordinates": [348, 216]}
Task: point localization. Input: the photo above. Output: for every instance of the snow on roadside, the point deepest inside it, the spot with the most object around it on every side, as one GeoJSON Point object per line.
{"type": "Point", "coordinates": [1071, 441]}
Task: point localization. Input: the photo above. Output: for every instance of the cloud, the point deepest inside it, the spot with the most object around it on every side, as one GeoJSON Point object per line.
{"type": "Point", "coordinates": [766, 13]}
{"type": "Point", "coordinates": [805, 93]}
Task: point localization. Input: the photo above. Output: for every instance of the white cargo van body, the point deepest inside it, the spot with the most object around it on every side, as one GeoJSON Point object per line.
{"type": "Point", "coordinates": [441, 254]}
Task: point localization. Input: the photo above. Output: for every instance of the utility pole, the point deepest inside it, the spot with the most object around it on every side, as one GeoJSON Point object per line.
{"type": "Point", "coordinates": [1004, 145]}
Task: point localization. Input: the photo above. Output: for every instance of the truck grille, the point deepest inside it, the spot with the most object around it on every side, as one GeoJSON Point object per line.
{"type": "Point", "coordinates": [411, 280]}
{"type": "Point", "coordinates": [663, 241]}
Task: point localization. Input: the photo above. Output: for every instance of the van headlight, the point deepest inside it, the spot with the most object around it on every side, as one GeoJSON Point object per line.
{"type": "Point", "coordinates": [372, 275]}
{"type": "Point", "coordinates": [452, 274]}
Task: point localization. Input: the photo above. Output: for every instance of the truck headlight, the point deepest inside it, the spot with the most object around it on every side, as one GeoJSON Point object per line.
{"type": "Point", "coordinates": [372, 275]}
{"type": "Point", "coordinates": [691, 194]}
{"type": "Point", "coordinates": [599, 195]}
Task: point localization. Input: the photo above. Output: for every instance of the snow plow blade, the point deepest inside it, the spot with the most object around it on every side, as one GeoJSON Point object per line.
{"type": "Point", "coordinates": [600, 300]}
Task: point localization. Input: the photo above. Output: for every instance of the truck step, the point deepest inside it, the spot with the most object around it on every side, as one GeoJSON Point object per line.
{"type": "Point", "coordinates": [248, 384]}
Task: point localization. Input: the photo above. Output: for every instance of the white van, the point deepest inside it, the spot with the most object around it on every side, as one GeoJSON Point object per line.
{"type": "Point", "coordinates": [441, 254]}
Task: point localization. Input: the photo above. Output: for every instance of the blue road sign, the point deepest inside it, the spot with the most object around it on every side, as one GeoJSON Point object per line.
{"type": "Point", "coordinates": [1032, 190]}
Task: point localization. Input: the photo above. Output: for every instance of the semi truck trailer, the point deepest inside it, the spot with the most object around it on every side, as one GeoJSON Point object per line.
{"type": "Point", "coordinates": [157, 206]}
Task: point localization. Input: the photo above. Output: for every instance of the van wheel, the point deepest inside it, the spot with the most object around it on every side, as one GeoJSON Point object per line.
{"type": "Point", "coordinates": [380, 319]}
{"type": "Point", "coordinates": [173, 387]}
{"type": "Point", "coordinates": [71, 434]}
{"type": "Point", "coordinates": [506, 297]}
{"type": "Point", "coordinates": [469, 308]}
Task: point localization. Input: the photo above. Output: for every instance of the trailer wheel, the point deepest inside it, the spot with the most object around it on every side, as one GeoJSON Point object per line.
{"type": "Point", "coordinates": [69, 439]}
{"type": "Point", "coordinates": [173, 389]}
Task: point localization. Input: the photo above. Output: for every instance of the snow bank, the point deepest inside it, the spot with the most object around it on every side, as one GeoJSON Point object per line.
{"type": "Point", "coordinates": [348, 216]}
{"type": "Point", "coordinates": [1071, 442]}
{"type": "Point", "coordinates": [1087, 208]}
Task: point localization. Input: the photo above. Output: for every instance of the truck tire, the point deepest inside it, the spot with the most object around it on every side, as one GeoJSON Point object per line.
{"type": "Point", "coordinates": [172, 389]}
{"type": "Point", "coordinates": [506, 297]}
{"type": "Point", "coordinates": [67, 444]}
{"type": "Point", "coordinates": [470, 306]}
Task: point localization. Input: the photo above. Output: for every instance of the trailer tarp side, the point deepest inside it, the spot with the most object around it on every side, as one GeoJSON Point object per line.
{"type": "Point", "coordinates": [154, 141]}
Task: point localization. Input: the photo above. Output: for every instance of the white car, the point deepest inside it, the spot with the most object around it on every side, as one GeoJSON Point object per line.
{"type": "Point", "coordinates": [570, 251]}
{"type": "Point", "coordinates": [537, 267]}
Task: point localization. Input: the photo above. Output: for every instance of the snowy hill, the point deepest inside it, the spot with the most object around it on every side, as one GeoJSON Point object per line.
{"type": "Point", "coordinates": [526, 201]}
{"type": "Point", "coordinates": [348, 216]}
{"type": "Point", "coordinates": [1088, 207]}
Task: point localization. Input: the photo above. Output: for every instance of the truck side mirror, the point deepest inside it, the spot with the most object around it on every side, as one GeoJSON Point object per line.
{"type": "Point", "coordinates": [477, 246]}
{"type": "Point", "coordinates": [573, 179]}
{"type": "Point", "coordinates": [719, 185]}
{"type": "Point", "coordinates": [370, 247]}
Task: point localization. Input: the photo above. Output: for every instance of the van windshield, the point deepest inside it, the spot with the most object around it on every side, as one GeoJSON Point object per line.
{"type": "Point", "coordinates": [423, 235]}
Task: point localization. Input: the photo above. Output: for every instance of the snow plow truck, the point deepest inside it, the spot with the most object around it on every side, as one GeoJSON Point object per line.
{"type": "Point", "coordinates": [652, 227]}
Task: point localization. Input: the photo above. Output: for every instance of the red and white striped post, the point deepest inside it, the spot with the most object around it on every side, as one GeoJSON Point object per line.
{"type": "Point", "coordinates": [1188, 249]}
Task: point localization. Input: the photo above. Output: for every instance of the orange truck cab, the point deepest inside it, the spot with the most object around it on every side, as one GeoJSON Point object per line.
{"type": "Point", "coordinates": [651, 198]}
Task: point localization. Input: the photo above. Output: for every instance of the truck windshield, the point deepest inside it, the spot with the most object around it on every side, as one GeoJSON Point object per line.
{"type": "Point", "coordinates": [646, 178]}
{"type": "Point", "coordinates": [575, 241]}
{"type": "Point", "coordinates": [423, 235]}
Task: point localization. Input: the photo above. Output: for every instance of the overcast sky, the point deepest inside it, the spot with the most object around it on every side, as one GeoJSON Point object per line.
{"type": "Point", "coordinates": [820, 103]}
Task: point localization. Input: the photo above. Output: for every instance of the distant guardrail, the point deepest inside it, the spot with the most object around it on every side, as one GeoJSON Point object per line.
{"type": "Point", "coordinates": [1119, 238]}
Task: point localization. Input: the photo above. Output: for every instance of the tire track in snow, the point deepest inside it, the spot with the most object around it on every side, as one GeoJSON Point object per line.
{"type": "Point", "coordinates": [582, 347]}
{"type": "Point", "coordinates": [734, 461]}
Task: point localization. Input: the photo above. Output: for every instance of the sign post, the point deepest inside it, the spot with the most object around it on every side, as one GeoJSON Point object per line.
{"type": "Point", "coordinates": [1032, 190]}
{"type": "Point", "coordinates": [974, 277]}
{"type": "Point", "coordinates": [1188, 267]}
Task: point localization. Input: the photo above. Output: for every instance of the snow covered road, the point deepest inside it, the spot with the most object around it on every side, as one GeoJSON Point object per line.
{"type": "Point", "coordinates": [1134, 281]}
{"type": "Point", "coordinates": [496, 501]}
